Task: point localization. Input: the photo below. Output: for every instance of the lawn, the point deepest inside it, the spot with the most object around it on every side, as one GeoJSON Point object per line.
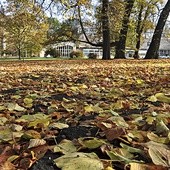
{"type": "Point", "coordinates": [85, 114]}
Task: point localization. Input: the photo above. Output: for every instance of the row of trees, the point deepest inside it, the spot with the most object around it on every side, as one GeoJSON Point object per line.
{"type": "Point", "coordinates": [106, 23]}
{"type": "Point", "coordinates": [119, 24]}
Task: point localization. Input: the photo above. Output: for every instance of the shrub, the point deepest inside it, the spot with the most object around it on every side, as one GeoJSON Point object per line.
{"type": "Point", "coordinates": [52, 52]}
{"type": "Point", "coordinates": [77, 54]}
{"type": "Point", "coordinates": [92, 56]}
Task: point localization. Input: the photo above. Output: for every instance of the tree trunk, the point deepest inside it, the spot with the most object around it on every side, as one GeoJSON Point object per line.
{"type": "Point", "coordinates": [1, 47]}
{"type": "Point", "coordinates": [138, 33]}
{"type": "Point", "coordinates": [121, 44]}
{"type": "Point", "coordinates": [19, 52]}
{"type": "Point", "coordinates": [152, 52]}
{"type": "Point", "coordinates": [139, 29]}
{"type": "Point", "coordinates": [106, 30]}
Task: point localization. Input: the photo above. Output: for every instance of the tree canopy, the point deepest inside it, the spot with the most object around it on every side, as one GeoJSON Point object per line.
{"type": "Point", "coordinates": [25, 27]}
{"type": "Point", "coordinates": [114, 25]}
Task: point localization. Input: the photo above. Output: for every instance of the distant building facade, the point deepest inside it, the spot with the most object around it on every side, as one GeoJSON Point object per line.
{"type": "Point", "coordinates": [65, 48]}
{"type": "Point", "coordinates": [164, 49]}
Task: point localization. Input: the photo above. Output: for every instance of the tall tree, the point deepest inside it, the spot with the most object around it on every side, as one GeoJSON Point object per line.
{"type": "Point", "coordinates": [121, 44]}
{"type": "Point", "coordinates": [106, 30]}
{"type": "Point", "coordinates": [90, 38]}
{"type": "Point", "coordinates": [145, 8]}
{"type": "Point", "coordinates": [2, 33]}
{"type": "Point", "coordinates": [25, 25]}
{"type": "Point", "coordinates": [139, 29]}
{"type": "Point", "coordinates": [152, 52]}
{"type": "Point", "coordinates": [99, 24]}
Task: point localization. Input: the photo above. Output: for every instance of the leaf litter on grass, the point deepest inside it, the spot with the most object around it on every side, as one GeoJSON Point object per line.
{"type": "Point", "coordinates": [91, 114]}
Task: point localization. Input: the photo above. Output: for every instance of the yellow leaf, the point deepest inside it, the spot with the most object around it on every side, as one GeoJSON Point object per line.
{"type": "Point", "coordinates": [66, 146]}
{"type": "Point", "coordinates": [31, 134]}
{"type": "Point", "coordinates": [137, 166]}
{"type": "Point", "coordinates": [39, 123]}
{"type": "Point", "coordinates": [88, 108]}
{"type": "Point", "coordinates": [79, 161]}
{"type": "Point", "coordinates": [3, 120]}
{"type": "Point", "coordinates": [2, 108]}
{"type": "Point", "coordinates": [118, 105]}
{"type": "Point", "coordinates": [15, 106]}
{"type": "Point", "coordinates": [28, 102]}
{"type": "Point", "coordinates": [139, 81]}
{"type": "Point", "coordinates": [162, 98]}
{"type": "Point", "coordinates": [6, 135]}
{"type": "Point", "coordinates": [152, 98]}
{"type": "Point", "coordinates": [12, 158]}
{"type": "Point", "coordinates": [91, 142]}
{"type": "Point", "coordinates": [158, 139]}
{"type": "Point", "coordinates": [73, 88]}
{"type": "Point", "coordinates": [109, 168]}
{"type": "Point", "coordinates": [83, 86]}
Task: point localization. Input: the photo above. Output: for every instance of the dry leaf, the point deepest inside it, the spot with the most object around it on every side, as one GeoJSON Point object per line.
{"type": "Point", "coordinates": [36, 142]}
{"type": "Point", "coordinates": [114, 133]}
{"type": "Point", "coordinates": [7, 166]}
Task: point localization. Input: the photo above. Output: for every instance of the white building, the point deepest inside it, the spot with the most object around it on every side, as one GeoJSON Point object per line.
{"type": "Point", "coordinates": [64, 48]}
{"type": "Point", "coordinates": [164, 49]}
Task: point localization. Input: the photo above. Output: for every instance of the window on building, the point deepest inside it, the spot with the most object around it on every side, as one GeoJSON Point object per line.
{"type": "Point", "coordinates": [65, 50]}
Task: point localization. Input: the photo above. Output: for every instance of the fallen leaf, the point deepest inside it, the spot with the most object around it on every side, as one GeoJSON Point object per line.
{"type": "Point", "coordinates": [36, 142]}
{"type": "Point", "coordinates": [152, 98]}
{"type": "Point", "coordinates": [131, 149]}
{"type": "Point", "coordinates": [114, 133]}
{"type": "Point", "coordinates": [162, 98]}
{"type": "Point", "coordinates": [58, 125]}
{"type": "Point", "coordinates": [90, 142]}
{"type": "Point", "coordinates": [28, 102]}
{"type": "Point", "coordinates": [3, 120]}
{"type": "Point", "coordinates": [66, 146]}
{"type": "Point", "coordinates": [159, 153]}
{"type": "Point", "coordinates": [78, 160]}
{"type": "Point", "coordinates": [155, 138]}
{"type": "Point", "coordinates": [25, 163]}
{"type": "Point", "coordinates": [2, 108]}
{"type": "Point", "coordinates": [31, 134]}
{"type": "Point", "coordinates": [140, 166]}
{"type": "Point", "coordinates": [16, 107]}
{"type": "Point", "coordinates": [6, 135]}
{"type": "Point", "coordinates": [7, 166]}
{"type": "Point", "coordinates": [12, 158]}
{"type": "Point", "coordinates": [39, 123]}
{"type": "Point", "coordinates": [161, 128]}
{"type": "Point", "coordinates": [117, 157]}
{"type": "Point", "coordinates": [16, 127]}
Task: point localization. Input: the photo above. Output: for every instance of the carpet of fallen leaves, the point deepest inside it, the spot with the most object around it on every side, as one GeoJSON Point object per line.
{"type": "Point", "coordinates": [85, 115]}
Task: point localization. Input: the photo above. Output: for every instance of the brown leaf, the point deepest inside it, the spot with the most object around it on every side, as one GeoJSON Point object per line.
{"type": "Point", "coordinates": [114, 133]}
{"type": "Point", "coordinates": [7, 166]}
{"type": "Point", "coordinates": [5, 154]}
{"type": "Point", "coordinates": [139, 166]}
{"type": "Point", "coordinates": [40, 151]}
{"type": "Point", "coordinates": [25, 163]}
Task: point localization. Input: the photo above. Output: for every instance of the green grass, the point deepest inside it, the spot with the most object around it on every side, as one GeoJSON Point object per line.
{"type": "Point", "coordinates": [28, 59]}
{"type": "Point", "coordinates": [38, 58]}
